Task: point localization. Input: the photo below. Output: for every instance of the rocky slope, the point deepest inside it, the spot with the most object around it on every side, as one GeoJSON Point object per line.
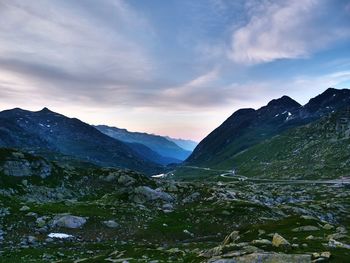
{"type": "Point", "coordinates": [248, 127]}
{"type": "Point", "coordinates": [319, 150]}
{"type": "Point", "coordinates": [51, 134]}
{"type": "Point", "coordinates": [112, 215]}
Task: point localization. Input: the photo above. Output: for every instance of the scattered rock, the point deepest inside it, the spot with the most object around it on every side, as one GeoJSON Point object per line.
{"type": "Point", "coordinates": [191, 198]}
{"type": "Point", "coordinates": [336, 244]}
{"type": "Point", "coordinates": [188, 233]}
{"type": "Point", "coordinates": [41, 221]}
{"type": "Point", "coordinates": [261, 242]}
{"type": "Point", "coordinates": [266, 258]}
{"type": "Point", "coordinates": [69, 221]}
{"type": "Point", "coordinates": [328, 227]}
{"type": "Point", "coordinates": [278, 241]}
{"type": "Point", "coordinates": [18, 165]}
{"type": "Point", "coordinates": [126, 180]}
{"type": "Point", "coordinates": [24, 208]}
{"type": "Point", "coordinates": [231, 238]}
{"type": "Point", "coordinates": [111, 224]}
{"type": "Point", "coordinates": [326, 254]}
{"type": "Point", "coordinates": [167, 208]}
{"type": "Point", "coordinates": [145, 194]}
{"type": "Point", "coordinates": [305, 229]}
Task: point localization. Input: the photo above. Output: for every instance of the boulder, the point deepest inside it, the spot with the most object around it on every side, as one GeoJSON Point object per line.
{"type": "Point", "coordinates": [266, 258]}
{"type": "Point", "coordinates": [111, 224]}
{"type": "Point", "coordinates": [69, 221]}
{"type": "Point", "coordinates": [328, 227]}
{"type": "Point", "coordinates": [231, 238]}
{"type": "Point", "coordinates": [145, 194]}
{"type": "Point", "coordinates": [24, 208]}
{"type": "Point", "coordinates": [278, 241]}
{"type": "Point", "coordinates": [18, 165]}
{"type": "Point", "coordinates": [191, 197]}
{"type": "Point", "coordinates": [261, 242]}
{"type": "Point", "coordinates": [336, 244]}
{"type": "Point", "coordinates": [305, 229]}
{"type": "Point", "coordinates": [126, 180]}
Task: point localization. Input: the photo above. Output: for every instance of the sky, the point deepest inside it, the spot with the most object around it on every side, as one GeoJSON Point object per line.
{"type": "Point", "coordinates": [175, 67]}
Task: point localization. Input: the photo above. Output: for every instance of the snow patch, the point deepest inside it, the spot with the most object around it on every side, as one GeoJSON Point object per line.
{"type": "Point", "coordinates": [159, 176]}
{"type": "Point", "coordinates": [59, 235]}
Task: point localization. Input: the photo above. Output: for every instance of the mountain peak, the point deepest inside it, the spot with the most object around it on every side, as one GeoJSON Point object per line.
{"type": "Point", "coordinates": [45, 110]}
{"type": "Point", "coordinates": [331, 98]}
{"type": "Point", "coordinates": [285, 102]}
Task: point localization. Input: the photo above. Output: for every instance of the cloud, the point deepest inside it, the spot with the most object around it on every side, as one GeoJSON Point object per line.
{"type": "Point", "coordinates": [285, 29]}
{"type": "Point", "coordinates": [79, 39]}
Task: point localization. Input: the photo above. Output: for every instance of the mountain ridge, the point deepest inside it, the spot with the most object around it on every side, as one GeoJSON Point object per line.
{"type": "Point", "coordinates": [157, 143]}
{"type": "Point", "coordinates": [48, 131]}
{"type": "Point", "coordinates": [247, 127]}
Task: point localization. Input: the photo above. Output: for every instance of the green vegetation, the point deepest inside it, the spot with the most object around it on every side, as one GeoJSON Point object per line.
{"type": "Point", "coordinates": [315, 151]}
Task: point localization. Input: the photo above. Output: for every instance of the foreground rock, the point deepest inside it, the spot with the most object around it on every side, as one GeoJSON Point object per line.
{"type": "Point", "coordinates": [266, 258]}
{"type": "Point", "coordinates": [21, 165]}
{"type": "Point", "coordinates": [69, 221]}
{"type": "Point", "coordinates": [111, 224]}
{"type": "Point", "coordinates": [278, 241]}
{"type": "Point", "coordinates": [145, 194]}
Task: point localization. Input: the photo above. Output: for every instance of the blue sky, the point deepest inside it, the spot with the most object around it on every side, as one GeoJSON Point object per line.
{"type": "Point", "coordinates": [172, 67]}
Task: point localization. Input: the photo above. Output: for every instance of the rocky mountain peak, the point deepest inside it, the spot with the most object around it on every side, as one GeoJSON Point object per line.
{"type": "Point", "coordinates": [284, 102]}
{"type": "Point", "coordinates": [46, 110]}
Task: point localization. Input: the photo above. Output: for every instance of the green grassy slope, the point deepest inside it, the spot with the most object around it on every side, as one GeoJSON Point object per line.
{"type": "Point", "coordinates": [317, 150]}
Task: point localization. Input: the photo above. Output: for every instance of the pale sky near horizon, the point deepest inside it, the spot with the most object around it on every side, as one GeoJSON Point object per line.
{"type": "Point", "coordinates": [175, 67]}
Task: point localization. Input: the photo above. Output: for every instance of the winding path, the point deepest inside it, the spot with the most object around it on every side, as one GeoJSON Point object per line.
{"type": "Point", "coordinates": [229, 175]}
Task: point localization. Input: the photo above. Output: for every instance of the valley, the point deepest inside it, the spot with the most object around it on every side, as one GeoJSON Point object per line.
{"type": "Point", "coordinates": [71, 192]}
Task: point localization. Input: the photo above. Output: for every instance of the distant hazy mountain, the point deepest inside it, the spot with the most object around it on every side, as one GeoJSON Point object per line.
{"type": "Point", "coordinates": [159, 144]}
{"type": "Point", "coordinates": [47, 133]}
{"type": "Point", "coordinates": [188, 145]}
{"type": "Point", "coordinates": [150, 155]}
{"type": "Point", "coordinates": [249, 127]}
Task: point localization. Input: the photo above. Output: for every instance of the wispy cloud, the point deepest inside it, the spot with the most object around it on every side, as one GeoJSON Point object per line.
{"type": "Point", "coordinates": [84, 41]}
{"type": "Point", "coordinates": [285, 30]}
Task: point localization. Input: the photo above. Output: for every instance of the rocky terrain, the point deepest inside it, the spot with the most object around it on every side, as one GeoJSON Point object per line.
{"type": "Point", "coordinates": [72, 214]}
{"type": "Point", "coordinates": [319, 150]}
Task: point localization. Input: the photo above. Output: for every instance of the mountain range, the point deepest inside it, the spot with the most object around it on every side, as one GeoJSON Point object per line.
{"type": "Point", "coordinates": [164, 146]}
{"type": "Point", "coordinates": [319, 150]}
{"type": "Point", "coordinates": [239, 143]}
{"type": "Point", "coordinates": [247, 128]}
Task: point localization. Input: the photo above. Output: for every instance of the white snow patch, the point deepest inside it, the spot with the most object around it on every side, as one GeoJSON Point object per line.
{"type": "Point", "coordinates": [59, 235]}
{"type": "Point", "coordinates": [289, 116]}
{"type": "Point", "coordinates": [159, 176]}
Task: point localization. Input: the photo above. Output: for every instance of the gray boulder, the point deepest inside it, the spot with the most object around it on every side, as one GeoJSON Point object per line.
{"type": "Point", "coordinates": [18, 165]}
{"type": "Point", "coordinates": [266, 258]}
{"type": "Point", "coordinates": [111, 224]}
{"type": "Point", "coordinates": [145, 194]}
{"type": "Point", "coordinates": [69, 221]}
{"type": "Point", "coordinates": [126, 180]}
